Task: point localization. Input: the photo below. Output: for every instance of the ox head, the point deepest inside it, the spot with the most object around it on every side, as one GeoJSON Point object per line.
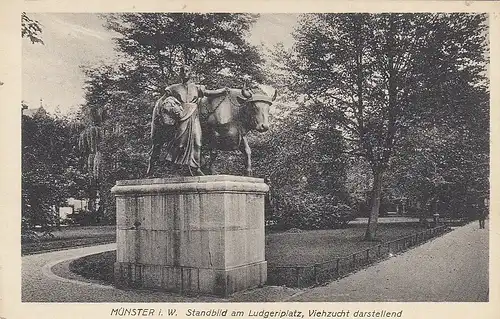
{"type": "Point", "coordinates": [258, 103]}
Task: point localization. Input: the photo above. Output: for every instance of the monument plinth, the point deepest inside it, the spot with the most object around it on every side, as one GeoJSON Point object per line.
{"type": "Point", "coordinates": [192, 235]}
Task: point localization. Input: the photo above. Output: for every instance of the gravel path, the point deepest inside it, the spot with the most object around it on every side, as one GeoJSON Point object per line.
{"type": "Point", "coordinates": [453, 267]}
{"type": "Point", "coordinates": [40, 284]}
{"type": "Point", "coordinates": [46, 278]}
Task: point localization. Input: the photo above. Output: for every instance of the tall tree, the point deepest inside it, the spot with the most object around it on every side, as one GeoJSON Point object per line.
{"type": "Point", "coordinates": [214, 44]}
{"type": "Point", "coordinates": [446, 166]}
{"type": "Point", "coordinates": [50, 170]}
{"type": "Point", "coordinates": [376, 75]}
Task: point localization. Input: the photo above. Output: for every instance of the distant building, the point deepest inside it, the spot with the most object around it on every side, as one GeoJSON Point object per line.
{"type": "Point", "coordinates": [64, 212]}
{"type": "Point", "coordinates": [77, 204]}
{"type": "Point", "coordinates": [74, 206]}
{"type": "Point", "coordinates": [38, 112]}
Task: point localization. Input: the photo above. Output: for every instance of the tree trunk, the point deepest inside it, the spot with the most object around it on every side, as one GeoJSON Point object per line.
{"type": "Point", "coordinates": [92, 197]}
{"type": "Point", "coordinates": [371, 229]}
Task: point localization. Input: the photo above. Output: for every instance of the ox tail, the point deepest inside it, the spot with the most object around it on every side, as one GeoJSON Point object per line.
{"type": "Point", "coordinates": [156, 117]}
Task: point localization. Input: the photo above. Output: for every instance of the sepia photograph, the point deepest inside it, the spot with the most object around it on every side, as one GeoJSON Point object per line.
{"type": "Point", "coordinates": [204, 158]}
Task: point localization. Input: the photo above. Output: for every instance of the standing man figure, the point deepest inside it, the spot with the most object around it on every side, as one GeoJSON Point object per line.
{"type": "Point", "coordinates": [481, 217]}
{"type": "Point", "coordinates": [184, 148]}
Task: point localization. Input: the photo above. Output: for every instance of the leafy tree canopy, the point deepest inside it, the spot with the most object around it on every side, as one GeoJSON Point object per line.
{"type": "Point", "coordinates": [375, 76]}
{"type": "Point", "coordinates": [51, 170]}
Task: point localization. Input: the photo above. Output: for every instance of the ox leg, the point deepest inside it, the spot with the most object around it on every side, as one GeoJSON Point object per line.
{"type": "Point", "coordinates": [197, 149]}
{"type": "Point", "coordinates": [247, 152]}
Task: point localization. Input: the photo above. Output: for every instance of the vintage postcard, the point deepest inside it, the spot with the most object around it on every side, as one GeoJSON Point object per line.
{"type": "Point", "coordinates": [264, 159]}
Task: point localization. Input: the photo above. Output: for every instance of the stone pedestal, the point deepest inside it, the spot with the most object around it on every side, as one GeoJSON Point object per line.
{"type": "Point", "coordinates": [192, 235]}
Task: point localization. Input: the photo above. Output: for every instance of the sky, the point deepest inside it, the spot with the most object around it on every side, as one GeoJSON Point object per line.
{"type": "Point", "coordinates": [52, 72]}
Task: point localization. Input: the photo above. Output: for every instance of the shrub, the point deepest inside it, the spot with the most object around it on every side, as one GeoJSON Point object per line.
{"type": "Point", "coordinates": [29, 236]}
{"type": "Point", "coordinates": [309, 211]}
{"type": "Point", "coordinates": [84, 218]}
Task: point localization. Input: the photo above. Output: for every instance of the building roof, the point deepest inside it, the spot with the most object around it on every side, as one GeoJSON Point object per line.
{"type": "Point", "coordinates": [40, 111]}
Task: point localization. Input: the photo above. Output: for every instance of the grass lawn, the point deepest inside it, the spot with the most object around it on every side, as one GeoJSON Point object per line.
{"type": "Point", "coordinates": [310, 247]}
{"type": "Point", "coordinates": [282, 249]}
{"type": "Point", "coordinates": [98, 266]}
{"type": "Point", "coordinates": [71, 232]}
{"type": "Point", "coordinates": [71, 236]}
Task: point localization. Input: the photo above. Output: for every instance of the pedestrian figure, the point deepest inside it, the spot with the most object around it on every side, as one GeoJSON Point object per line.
{"type": "Point", "coordinates": [481, 218]}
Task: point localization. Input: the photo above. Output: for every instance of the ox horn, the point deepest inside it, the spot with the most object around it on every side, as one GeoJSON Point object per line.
{"type": "Point", "coordinates": [245, 92]}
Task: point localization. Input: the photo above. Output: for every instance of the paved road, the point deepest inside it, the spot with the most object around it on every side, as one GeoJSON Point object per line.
{"type": "Point", "coordinates": [453, 267]}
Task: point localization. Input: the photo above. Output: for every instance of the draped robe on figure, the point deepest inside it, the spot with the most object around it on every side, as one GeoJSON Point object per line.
{"type": "Point", "coordinates": [184, 147]}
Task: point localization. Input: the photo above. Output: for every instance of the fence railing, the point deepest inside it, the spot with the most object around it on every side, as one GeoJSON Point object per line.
{"type": "Point", "coordinates": [457, 222]}
{"type": "Point", "coordinates": [310, 275]}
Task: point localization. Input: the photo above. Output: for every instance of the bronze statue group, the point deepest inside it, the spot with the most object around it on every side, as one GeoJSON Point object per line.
{"type": "Point", "coordinates": [229, 115]}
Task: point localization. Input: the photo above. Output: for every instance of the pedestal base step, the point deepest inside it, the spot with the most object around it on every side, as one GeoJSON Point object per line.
{"type": "Point", "coordinates": [191, 281]}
